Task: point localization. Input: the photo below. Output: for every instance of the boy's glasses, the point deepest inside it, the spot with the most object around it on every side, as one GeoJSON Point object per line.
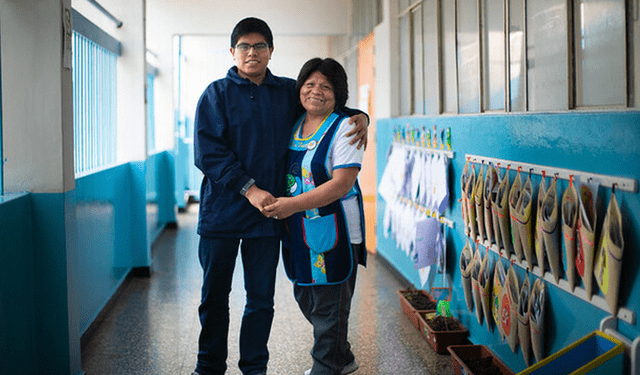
{"type": "Point", "coordinates": [258, 47]}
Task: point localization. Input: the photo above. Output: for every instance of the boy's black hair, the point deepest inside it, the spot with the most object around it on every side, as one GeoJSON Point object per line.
{"type": "Point", "coordinates": [334, 72]}
{"type": "Point", "coordinates": [251, 25]}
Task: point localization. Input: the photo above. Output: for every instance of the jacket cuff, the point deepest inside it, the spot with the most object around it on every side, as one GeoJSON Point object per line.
{"type": "Point", "coordinates": [246, 186]}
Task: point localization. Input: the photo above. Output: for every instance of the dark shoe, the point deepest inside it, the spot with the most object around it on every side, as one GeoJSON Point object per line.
{"type": "Point", "coordinates": [351, 367]}
{"type": "Point", "coordinates": [348, 369]}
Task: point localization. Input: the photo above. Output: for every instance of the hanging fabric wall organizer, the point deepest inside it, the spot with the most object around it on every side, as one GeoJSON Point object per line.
{"type": "Point", "coordinates": [549, 272]}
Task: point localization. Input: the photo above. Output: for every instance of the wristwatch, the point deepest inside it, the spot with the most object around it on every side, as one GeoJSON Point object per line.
{"type": "Point", "coordinates": [246, 186]}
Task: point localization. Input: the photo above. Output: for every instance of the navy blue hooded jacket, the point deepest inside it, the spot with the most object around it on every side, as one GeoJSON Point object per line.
{"type": "Point", "coordinates": [242, 131]}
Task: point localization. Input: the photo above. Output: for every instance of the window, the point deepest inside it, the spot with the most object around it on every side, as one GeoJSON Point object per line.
{"type": "Point", "coordinates": [431, 62]}
{"type": "Point", "coordinates": [600, 51]}
{"type": "Point", "coordinates": [151, 123]}
{"type": "Point", "coordinates": [514, 55]}
{"type": "Point", "coordinates": [468, 48]}
{"type": "Point", "coordinates": [493, 55]}
{"type": "Point", "coordinates": [547, 56]}
{"type": "Point", "coordinates": [94, 96]}
{"type": "Point", "coordinates": [448, 60]}
{"type": "Point", "coordinates": [405, 66]}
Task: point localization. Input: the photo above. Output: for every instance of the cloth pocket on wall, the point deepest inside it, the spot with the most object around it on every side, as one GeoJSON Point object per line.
{"type": "Point", "coordinates": [514, 197]}
{"type": "Point", "coordinates": [608, 262]}
{"type": "Point", "coordinates": [484, 280]}
{"type": "Point", "coordinates": [569, 222]}
{"type": "Point", "coordinates": [499, 279]}
{"type": "Point", "coordinates": [524, 219]}
{"type": "Point", "coordinates": [586, 235]}
{"type": "Point", "coordinates": [475, 283]}
{"type": "Point", "coordinates": [510, 308]}
{"type": "Point", "coordinates": [536, 318]}
{"type": "Point", "coordinates": [551, 230]}
{"type": "Point", "coordinates": [500, 207]}
{"type": "Point", "coordinates": [466, 265]}
{"type": "Point", "coordinates": [464, 179]}
{"type": "Point", "coordinates": [539, 236]}
{"type": "Point", "coordinates": [490, 184]}
{"type": "Point", "coordinates": [524, 333]}
{"type": "Point", "coordinates": [479, 202]}
{"type": "Point", "coordinates": [471, 203]}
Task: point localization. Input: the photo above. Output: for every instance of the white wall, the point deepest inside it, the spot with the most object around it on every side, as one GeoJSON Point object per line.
{"type": "Point", "coordinates": [301, 30]}
{"type": "Point", "coordinates": [36, 128]}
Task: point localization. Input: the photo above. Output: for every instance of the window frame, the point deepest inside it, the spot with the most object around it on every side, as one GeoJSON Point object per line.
{"type": "Point", "coordinates": [521, 102]}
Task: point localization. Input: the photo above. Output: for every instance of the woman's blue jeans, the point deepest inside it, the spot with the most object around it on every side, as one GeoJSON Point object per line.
{"type": "Point", "coordinates": [259, 260]}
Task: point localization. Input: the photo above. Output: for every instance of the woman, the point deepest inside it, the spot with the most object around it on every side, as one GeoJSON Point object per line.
{"type": "Point", "coordinates": [324, 237]}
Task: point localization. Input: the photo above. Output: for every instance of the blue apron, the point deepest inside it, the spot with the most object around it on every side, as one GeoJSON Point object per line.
{"type": "Point", "coordinates": [316, 247]}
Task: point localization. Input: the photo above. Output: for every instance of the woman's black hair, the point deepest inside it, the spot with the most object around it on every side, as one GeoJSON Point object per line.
{"type": "Point", "coordinates": [334, 72]}
{"type": "Point", "coordinates": [251, 25]}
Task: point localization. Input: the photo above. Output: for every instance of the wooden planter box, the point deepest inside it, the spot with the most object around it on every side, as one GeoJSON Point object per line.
{"type": "Point", "coordinates": [410, 311]}
{"type": "Point", "coordinates": [462, 355]}
{"type": "Point", "coordinates": [440, 340]}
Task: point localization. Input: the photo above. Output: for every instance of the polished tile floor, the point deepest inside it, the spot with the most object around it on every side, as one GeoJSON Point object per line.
{"type": "Point", "coordinates": [153, 327]}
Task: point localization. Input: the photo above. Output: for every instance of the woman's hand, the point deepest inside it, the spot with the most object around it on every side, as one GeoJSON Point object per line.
{"type": "Point", "coordinates": [360, 130]}
{"type": "Point", "coordinates": [281, 209]}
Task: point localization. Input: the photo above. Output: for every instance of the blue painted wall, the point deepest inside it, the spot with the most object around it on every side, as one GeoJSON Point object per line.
{"type": "Point", "coordinates": [63, 256]}
{"type": "Point", "coordinates": [604, 142]}
{"type": "Point", "coordinates": [17, 311]}
{"type": "Point", "coordinates": [160, 187]}
{"type": "Point", "coordinates": [111, 237]}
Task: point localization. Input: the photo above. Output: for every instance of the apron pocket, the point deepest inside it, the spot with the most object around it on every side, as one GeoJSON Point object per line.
{"type": "Point", "coordinates": [321, 233]}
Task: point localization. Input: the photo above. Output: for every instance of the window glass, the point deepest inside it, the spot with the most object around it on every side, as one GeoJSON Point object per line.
{"type": "Point", "coordinates": [468, 58]}
{"type": "Point", "coordinates": [600, 53]}
{"type": "Point", "coordinates": [517, 65]}
{"type": "Point", "coordinates": [405, 66]}
{"type": "Point", "coordinates": [151, 127]}
{"type": "Point", "coordinates": [417, 55]}
{"type": "Point", "coordinates": [493, 54]}
{"type": "Point", "coordinates": [94, 105]}
{"type": "Point", "coordinates": [547, 59]}
{"type": "Point", "coordinates": [430, 40]}
{"type": "Point", "coordinates": [448, 62]}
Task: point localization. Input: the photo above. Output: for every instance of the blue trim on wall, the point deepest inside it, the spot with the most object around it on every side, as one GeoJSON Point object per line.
{"type": "Point", "coordinates": [599, 142]}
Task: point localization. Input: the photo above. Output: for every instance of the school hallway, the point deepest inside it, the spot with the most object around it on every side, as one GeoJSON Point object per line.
{"type": "Point", "coordinates": [152, 327]}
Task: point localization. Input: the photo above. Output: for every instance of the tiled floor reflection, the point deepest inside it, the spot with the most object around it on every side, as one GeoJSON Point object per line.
{"type": "Point", "coordinates": [153, 327]}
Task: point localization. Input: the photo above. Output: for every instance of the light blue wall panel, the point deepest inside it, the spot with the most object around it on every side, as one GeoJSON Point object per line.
{"type": "Point", "coordinates": [17, 310]}
{"type": "Point", "coordinates": [604, 142]}
{"type": "Point", "coordinates": [160, 203]}
{"type": "Point", "coordinates": [111, 235]}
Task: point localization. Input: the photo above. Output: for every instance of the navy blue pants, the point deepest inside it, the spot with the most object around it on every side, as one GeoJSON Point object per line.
{"type": "Point", "coordinates": [327, 308]}
{"type": "Point", "coordinates": [218, 259]}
